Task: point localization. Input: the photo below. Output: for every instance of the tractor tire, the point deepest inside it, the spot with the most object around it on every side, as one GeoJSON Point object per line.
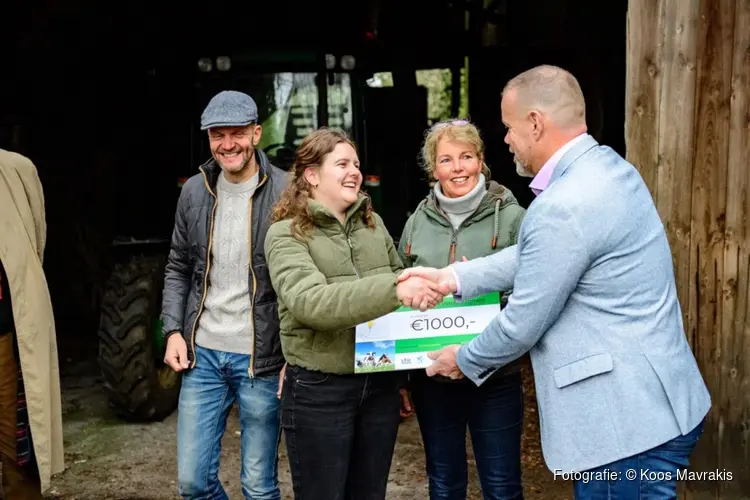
{"type": "Point", "coordinates": [139, 385]}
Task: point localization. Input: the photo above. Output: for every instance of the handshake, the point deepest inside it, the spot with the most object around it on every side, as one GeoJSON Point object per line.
{"type": "Point", "coordinates": [424, 287]}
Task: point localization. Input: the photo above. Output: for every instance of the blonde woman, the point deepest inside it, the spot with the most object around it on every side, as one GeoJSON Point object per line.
{"type": "Point", "coordinates": [466, 215]}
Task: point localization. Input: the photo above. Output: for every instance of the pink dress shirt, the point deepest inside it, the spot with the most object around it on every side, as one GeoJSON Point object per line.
{"type": "Point", "coordinates": [542, 178]}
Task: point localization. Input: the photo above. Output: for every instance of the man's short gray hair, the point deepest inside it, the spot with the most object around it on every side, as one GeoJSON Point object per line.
{"type": "Point", "coordinates": [553, 91]}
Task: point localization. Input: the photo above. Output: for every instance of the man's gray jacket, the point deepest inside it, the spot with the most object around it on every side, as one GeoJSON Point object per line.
{"type": "Point", "coordinates": [187, 269]}
{"type": "Point", "coordinates": [595, 302]}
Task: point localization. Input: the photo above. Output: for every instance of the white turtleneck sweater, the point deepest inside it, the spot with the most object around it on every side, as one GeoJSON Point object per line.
{"type": "Point", "coordinates": [226, 323]}
{"type": "Point", "coordinates": [459, 209]}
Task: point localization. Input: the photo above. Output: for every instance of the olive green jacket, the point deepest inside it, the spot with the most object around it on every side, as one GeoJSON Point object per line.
{"type": "Point", "coordinates": [430, 240]}
{"type": "Point", "coordinates": [339, 276]}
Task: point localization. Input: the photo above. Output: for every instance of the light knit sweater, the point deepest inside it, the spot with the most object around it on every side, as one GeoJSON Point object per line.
{"type": "Point", "coordinates": [226, 323]}
{"type": "Point", "coordinates": [459, 209]}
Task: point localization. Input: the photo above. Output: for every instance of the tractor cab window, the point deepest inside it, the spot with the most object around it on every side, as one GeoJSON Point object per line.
{"type": "Point", "coordinates": [340, 102]}
{"type": "Point", "coordinates": [292, 104]}
{"type": "Point", "coordinates": [289, 112]}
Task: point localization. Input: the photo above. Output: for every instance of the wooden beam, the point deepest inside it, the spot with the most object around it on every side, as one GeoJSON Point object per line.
{"type": "Point", "coordinates": [709, 188]}
{"type": "Point", "coordinates": [676, 134]}
{"type": "Point", "coordinates": [687, 129]}
{"type": "Point", "coordinates": [661, 76]}
{"type": "Point", "coordinates": [643, 74]}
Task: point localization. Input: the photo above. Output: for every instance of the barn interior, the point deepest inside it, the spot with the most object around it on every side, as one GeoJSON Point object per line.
{"type": "Point", "coordinates": [106, 100]}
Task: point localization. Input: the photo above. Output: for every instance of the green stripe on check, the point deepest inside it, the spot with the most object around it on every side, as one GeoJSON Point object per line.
{"type": "Point", "coordinates": [431, 343]}
{"type": "Point", "coordinates": [483, 300]}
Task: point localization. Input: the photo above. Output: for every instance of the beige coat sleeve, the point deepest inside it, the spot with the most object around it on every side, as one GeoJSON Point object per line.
{"type": "Point", "coordinates": [26, 172]}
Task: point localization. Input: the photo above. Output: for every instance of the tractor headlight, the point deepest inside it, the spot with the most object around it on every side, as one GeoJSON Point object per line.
{"type": "Point", "coordinates": [348, 62]}
{"type": "Point", "coordinates": [205, 65]}
{"type": "Point", "coordinates": [330, 61]}
{"type": "Point", "coordinates": [223, 63]}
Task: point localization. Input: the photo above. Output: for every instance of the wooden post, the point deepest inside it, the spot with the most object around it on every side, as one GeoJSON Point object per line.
{"type": "Point", "coordinates": [734, 401]}
{"type": "Point", "coordinates": [660, 109]}
{"type": "Point", "coordinates": [709, 188]}
{"type": "Point", "coordinates": [643, 88]}
{"type": "Point", "coordinates": [676, 133]}
{"type": "Point", "coordinates": [688, 132]}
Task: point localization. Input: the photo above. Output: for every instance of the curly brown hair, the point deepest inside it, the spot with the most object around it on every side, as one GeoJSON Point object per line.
{"type": "Point", "coordinates": [311, 153]}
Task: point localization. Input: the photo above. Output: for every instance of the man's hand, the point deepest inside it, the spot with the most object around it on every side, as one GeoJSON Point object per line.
{"type": "Point", "coordinates": [442, 277]}
{"type": "Point", "coordinates": [419, 293]}
{"type": "Point", "coordinates": [406, 406]}
{"type": "Point", "coordinates": [444, 363]}
{"type": "Point", "coordinates": [176, 353]}
{"type": "Point", "coordinates": [281, 381]}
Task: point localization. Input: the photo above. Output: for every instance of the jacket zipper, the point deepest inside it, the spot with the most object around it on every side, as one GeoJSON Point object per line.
{"type": "Point", "coordinates": [251, 371]}
{"type": "Point", "coordinates": [454, 238]}
{"type": "Point", "coordinates": [351, 253]}
{"type": "Point", "coordinates": [351, 247]}
{"type": "Point", "coordinates": [208, 266]}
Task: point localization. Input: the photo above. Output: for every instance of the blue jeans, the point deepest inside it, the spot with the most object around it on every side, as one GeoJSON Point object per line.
{"type": "Point", "coordinates": [207, 394]}
{"type": "Point", "coordinates": [493, 413]}
{"type": "Point", "coordinates": [651, 475]}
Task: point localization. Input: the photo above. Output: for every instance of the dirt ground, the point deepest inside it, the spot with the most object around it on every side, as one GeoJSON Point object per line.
{"type": "Point", "coordinates": [109, 459]}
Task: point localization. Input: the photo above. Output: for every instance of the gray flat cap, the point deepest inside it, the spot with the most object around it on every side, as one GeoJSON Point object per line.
{"type": "Point", "coordinates": [229, 109]}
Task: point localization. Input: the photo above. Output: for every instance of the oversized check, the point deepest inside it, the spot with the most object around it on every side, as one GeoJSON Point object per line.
{"type": "Point", "coordinates": [401, 340]}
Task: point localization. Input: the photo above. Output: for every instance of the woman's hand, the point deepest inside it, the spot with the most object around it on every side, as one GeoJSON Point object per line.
{"type": "Point", "coordinates": [419, 293]}
{"type": "Point", "coordinates": [443, 277]}
{"type": "Point", "coordinates": [407, 408]}
{"type": "Point", "coordinates": [282, 374]}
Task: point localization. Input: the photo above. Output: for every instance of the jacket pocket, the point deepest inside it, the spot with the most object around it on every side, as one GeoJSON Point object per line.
{"type": "Point", "coordinates": [576, 371]}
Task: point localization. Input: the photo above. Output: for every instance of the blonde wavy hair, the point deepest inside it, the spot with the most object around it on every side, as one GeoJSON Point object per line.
{"type": "Point", "coordinates": [454, 130]}
{"type": "Point", "coordinates": [293, 203]}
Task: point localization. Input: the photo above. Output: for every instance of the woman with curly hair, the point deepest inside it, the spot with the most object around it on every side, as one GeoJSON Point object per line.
{"type": "Point", "coordinates": [333, 266]}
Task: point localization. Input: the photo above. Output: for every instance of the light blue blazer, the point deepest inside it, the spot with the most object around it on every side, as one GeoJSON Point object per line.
{"type": "Point", "coordinates": [595, 303]}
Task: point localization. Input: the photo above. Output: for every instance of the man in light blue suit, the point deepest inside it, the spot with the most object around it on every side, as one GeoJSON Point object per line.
{"type": "Point", "coordinates": [621, 399]}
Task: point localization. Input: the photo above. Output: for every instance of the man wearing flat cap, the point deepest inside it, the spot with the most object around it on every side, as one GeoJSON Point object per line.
{"type": "Point", "coordinates": [219, 308]}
